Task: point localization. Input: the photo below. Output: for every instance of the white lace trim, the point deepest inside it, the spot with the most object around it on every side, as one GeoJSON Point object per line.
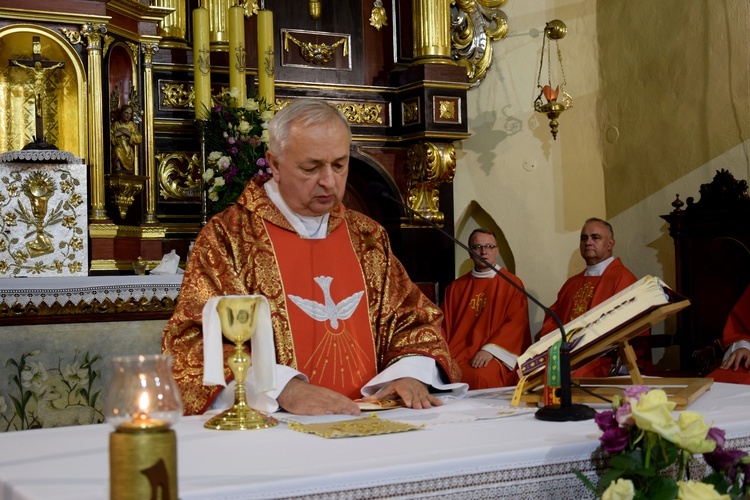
{"type": "Point", "coordinates": [46, 155]}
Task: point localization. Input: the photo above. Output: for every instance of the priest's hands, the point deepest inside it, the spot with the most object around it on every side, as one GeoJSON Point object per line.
{"type": "Point", "coordinates": [481, 359]}
{"type": "Point", "coordinates": [738, 359]}
{"type": "Point", "coordinates": [413, 393]}
{"type": "Point", "coordinates": [302, 398]}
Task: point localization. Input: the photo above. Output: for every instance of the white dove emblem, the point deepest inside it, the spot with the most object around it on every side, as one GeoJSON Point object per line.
{"type": "Point", "coordinates": [329, 311]}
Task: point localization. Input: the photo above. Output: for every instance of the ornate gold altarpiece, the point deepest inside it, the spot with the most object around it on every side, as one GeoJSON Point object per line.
{"type": "Point", "coordinates": [399, 70]}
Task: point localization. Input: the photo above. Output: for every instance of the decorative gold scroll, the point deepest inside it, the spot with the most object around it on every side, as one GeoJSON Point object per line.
{"type": "Point", "coordinates": [428, 165]}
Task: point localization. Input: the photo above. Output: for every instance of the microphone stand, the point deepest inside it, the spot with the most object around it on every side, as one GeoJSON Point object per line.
{"type": "Point", "coordinates": [566, 411]}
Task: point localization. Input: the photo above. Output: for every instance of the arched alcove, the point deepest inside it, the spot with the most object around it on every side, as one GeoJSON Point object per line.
{"type": "Point", "coordinates": [64, 108]}
{"type": "Point", "coordinates": [475, 217]}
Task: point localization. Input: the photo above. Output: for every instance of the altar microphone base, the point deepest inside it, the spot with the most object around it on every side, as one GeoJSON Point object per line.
{"type": "Point", "coordinates": [572, 413]}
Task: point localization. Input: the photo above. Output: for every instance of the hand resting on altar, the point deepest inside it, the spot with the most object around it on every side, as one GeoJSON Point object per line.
{"type": "Point", "coordinates": [302, 398]}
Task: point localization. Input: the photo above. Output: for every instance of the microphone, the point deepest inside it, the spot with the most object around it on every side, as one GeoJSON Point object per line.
{"type": "Point", "coordinates": [566, 411]}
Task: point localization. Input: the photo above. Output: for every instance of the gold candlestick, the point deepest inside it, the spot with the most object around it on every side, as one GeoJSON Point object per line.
{"type": "Point", "coordinates": [238, 324]}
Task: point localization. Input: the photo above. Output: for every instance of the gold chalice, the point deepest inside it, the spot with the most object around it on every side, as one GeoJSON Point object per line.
{"type": "Point", "coordinates": [238, 323]}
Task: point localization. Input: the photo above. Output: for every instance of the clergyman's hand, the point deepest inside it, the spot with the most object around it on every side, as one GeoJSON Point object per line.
{"type": "Point", "coordinates": [412, 392]}
{"type": "Point", "coordinates": [302, 398]}
{"type": "Point", "coordinates": [481, 359]}
{"type": "Point", "coordinates": [738, 359]}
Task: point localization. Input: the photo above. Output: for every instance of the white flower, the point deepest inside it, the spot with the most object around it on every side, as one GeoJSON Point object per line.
{"type": "Point", "coordinates": [266, 115]}
{"type": "Point", "coordinates": [208, 174]}
{"type": "Point", "coordinates": [234, 93]}
{"type": "Point", "coordinates": [224, 162]}
{"type": "Point", "coordinates": [264, 137]}
{"type": "Point", "coordinates": [251, 105]}
{"type": "Point", "coordinates": [213, 196]}
{"type": "Point", "coordinates": [622, 489]}
{"type": "Point", "coordinates": [76, 375]}
{"type": "Point", "coordinates": [219, 181]}
{"type": "Point", "coordinates": [214, 156]}
{"type": "Point", "coordinates": [244, 127]}
{"type": "Point", "coordinates": [33, 377]}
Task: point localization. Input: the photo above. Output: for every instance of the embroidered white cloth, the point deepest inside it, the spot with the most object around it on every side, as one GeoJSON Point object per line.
{"type": "Point", "coordinates": [263, 349]}
{"type": "Point", "coordinates": [76, 289]}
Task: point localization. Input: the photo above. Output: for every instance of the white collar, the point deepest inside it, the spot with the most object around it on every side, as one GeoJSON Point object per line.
{"type": "Point", "coordinates": [598, 269]}
{"type": "Point", "coordinates": [310, 227]}
{"type": "Point", "coordinates": [489, 273]}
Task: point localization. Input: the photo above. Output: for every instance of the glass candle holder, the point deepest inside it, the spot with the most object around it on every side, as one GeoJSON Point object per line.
{"type": "Point", "coordinates": [142, 403]}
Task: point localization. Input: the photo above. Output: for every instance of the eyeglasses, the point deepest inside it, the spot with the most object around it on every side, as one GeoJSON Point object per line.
{"type": "Point", "coordinates": [478, 248]}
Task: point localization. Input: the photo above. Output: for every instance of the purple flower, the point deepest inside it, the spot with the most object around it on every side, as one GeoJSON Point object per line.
{"type": "Point", "coordinates": [605, 420]}
{"type": "Point", "coordinates": [623, 415]}
{"type": "Point", "coordinates": [727, 461]}
{"type": "Point", "coordinates": [231, 140]}
{"type": "Point", "coordinates": [216, 109]}
{"type": "Point", "coordinates": [614, 440]}
{"type": "Point", "coordinates": [231, 174]}
{"type": "Point", "coordinates": [718, 436]}
{"type": "Point", "coordinates": [635, 391]}
{"type": "Point", "coordinates": [233, 150]}
{"type": "Point", "coordinates": [262, 163]}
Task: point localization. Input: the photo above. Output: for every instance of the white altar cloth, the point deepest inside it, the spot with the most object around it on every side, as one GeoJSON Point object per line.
{"type": "Point", "coordinates": [513, 457]}
{"type": "Point", "coordinates": [76, 289]}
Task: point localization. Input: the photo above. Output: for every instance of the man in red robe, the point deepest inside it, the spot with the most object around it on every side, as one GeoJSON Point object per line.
{"type": "Point", "coordinates": [347, 321]}
{"type": "Point", "coordinates": [486, 319]}
{"type": "Point", "coordinates": [735, 367]}
{"type": "Point", "coordinates": [603, 277]}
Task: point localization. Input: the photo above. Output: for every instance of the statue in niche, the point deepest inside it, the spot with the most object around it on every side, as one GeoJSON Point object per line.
{"type": "Point", "coordinates": [125, 138]}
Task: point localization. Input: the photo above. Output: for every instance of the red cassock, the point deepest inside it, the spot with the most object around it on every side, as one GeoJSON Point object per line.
{"type": "Point", "coordinates": [736, 328]}
{"type": "Point", "coordinates": [481, 311]}
{"type": "Point", "coordinates": [579, 294]}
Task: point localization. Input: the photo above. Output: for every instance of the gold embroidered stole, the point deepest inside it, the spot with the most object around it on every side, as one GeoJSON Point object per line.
{"type": "Point", "coordinates": [326, 301]}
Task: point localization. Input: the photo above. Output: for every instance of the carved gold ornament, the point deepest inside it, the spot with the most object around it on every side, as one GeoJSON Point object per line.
{"type": "Point", "coordinates": [429, 165]}
{"type": "Point", "coordinates": [179, 175]}
{"type": "Point", "coordinates": [174, 95]}
{"type": "Point", "coordinates": [378, 17]}
{"type": "Point", "coordinates": [475, 24]}
{"type": "Point", "coordinates": [316, 53]}
{"type": "Point", "coordinates": [125, 188]}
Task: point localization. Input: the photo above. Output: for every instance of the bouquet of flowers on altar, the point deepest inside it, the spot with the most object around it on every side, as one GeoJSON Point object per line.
{"type": "Point", "coordinates": [236, 142]}
{"type": "Point", "coordinates": [650, 452]}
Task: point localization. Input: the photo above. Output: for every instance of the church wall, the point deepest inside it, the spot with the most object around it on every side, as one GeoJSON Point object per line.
{"type": "Point", "coordinates": [660, 93]}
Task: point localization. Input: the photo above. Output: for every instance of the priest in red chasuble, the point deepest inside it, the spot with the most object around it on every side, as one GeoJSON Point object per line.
{"type": "Point", "coordinates": [735, 367]}
{"type": "Point", "coordinates": [347, 321]}
{"type": "Point", "coordinates": [603, 277]}
{"type": "Point", "coordinates": [486, 319]}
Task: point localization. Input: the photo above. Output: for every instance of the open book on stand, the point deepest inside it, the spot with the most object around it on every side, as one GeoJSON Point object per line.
{"type": "Point", "coordinates": [596, 324]}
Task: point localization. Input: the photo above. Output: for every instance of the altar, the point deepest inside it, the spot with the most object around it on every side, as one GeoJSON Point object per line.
{"type": "Point", "coordinates": [465, 450]}
{"type": "Point", "coordinates": [95, 318]}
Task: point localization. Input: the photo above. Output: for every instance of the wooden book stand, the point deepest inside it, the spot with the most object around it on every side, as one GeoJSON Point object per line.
{"type": "Point", "coordinates": [682, 391]}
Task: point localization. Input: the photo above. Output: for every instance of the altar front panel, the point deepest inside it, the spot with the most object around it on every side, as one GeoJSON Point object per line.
{"type": "Point", "coordinates": [43, 219]}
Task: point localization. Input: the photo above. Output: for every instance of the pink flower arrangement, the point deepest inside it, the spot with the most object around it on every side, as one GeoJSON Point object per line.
{"type": "Point", "coordinates": [642, 439]}
{"type": "Point", "coordinates": [237, 139]}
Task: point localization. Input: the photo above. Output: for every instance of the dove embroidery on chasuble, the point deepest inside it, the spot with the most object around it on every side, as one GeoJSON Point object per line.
{"type": "Point", "coordinates": [327, 307]}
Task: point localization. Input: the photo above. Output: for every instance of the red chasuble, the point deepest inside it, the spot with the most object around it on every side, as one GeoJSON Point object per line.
{"type": "Point", "coordinates": [579, 294]}
{"type": "Point", "coordinates": [327, 304]}
{"type": "Point", "coordinates": [736, 328]}
{"type": "Point", "coordinates": [481, 311]}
